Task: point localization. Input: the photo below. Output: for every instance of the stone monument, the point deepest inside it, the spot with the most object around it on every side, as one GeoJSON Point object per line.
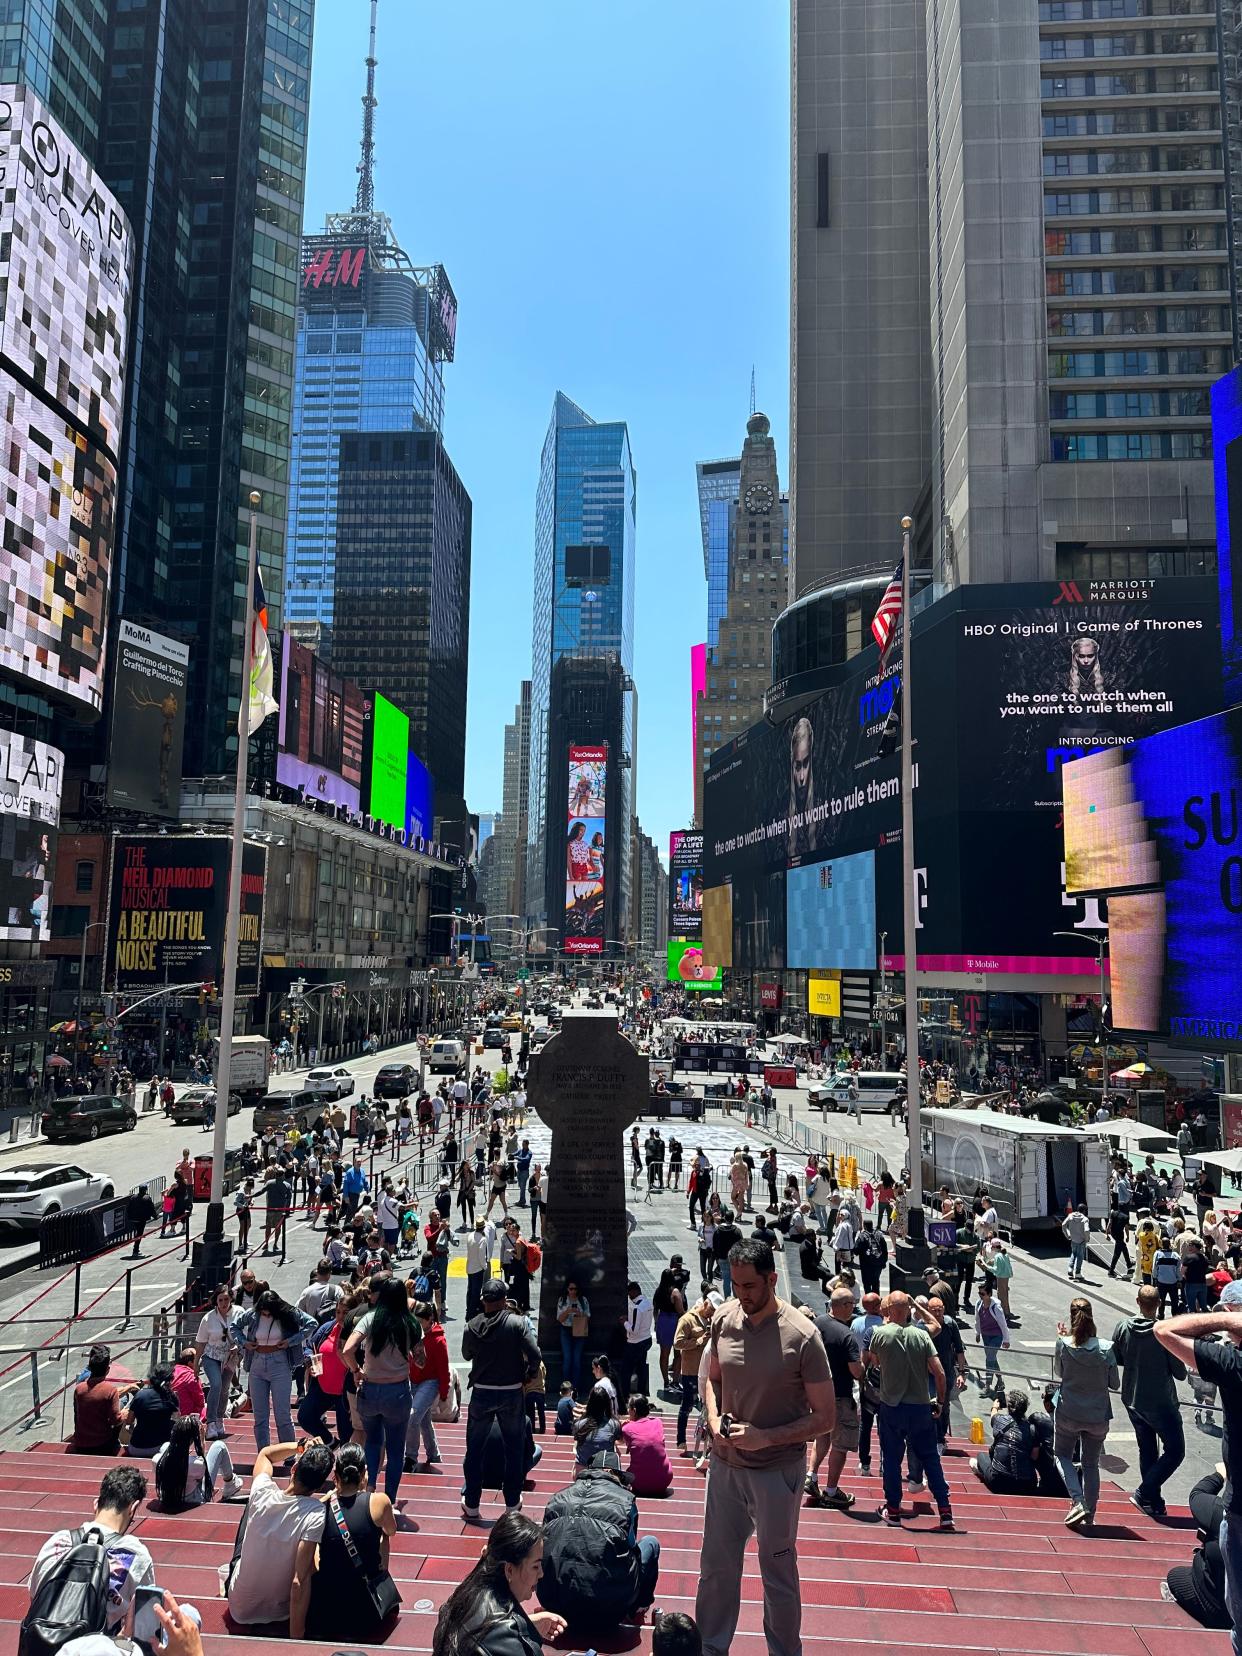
{"type": "Point", "coordinates": [588, 1085]}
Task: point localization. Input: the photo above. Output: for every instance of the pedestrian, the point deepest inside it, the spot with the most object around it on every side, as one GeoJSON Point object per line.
{"type": "Point", "coordinates": [992, 1332]}
{"type": "Point", "coordinates": [1166, 1276]}
{"type": "Point", "coordinates": [1195, 1275]}
{"type": "Point", "coordinates": [906, 1359]}
{"type": "Point", "coordinates": [1087, 1371]}
{"type": "Point", "coordinates": [139, 1212]}
{"type": "Point", "coordinates": [689, 1343]}
{"type": "Point", "coordinates": [845, 1364]}
{"type": "Point", "coordinates": [1118, 1228]}
{"type": "Point", "coordinates": [872, 1251]}
{"type": "Point", "coordinates": [503, 1356]}
{"type": "Point", "coordinates": [638, 1319]}
{"type": "Point", "coordinates": [669, 1304]}
{"type": "Point", "coordinates": [378, 1353]}
{"type": "Point", "coordinates": [272, 1334]}
{"type": "Point", "coordinates": [573, 1316]}
{"type": "Point", "coordinates": [1149, 1392]}
{"type": "Point", "coordinates": [768, 1393]}
{"type": "Point", "coordinates": [1076, 1228]}
{"type": "Point", "coordinates": [534, 1192]}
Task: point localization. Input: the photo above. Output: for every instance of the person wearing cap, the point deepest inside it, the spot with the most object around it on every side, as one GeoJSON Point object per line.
{"type": "Point", "coordinates": [479, 1245]}
{"type": "Point", "coordinates": [597, 1573]}
{"type": "Point", "coordinates": [1192, 1340]}
{"type": "Point", "coordinates": [503, 1356]}
{"type": "Point", "coordinates": [97, 1412]}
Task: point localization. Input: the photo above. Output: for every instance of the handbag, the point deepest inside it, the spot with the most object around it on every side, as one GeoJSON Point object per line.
{"type": "Point", "coordinates": [381, 1590]}
{"type": "Point", "coordinates": [580, 1326]}
{"type": "Point", "coordinates": [447, 1410]}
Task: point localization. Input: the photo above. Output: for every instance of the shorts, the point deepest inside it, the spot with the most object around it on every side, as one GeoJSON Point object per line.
{"type": "Point", "coordinates": [845, 1432]}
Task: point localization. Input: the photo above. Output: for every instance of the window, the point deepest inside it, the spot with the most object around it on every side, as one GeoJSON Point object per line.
{"type": "Point", "coordinates": [84, 877]}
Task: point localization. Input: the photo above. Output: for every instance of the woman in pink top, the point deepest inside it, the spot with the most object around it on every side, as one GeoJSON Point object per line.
{"type": "Point", "coordinates": [186, 1385]}
{"type": "Point", "coordinates": [643, 1436]}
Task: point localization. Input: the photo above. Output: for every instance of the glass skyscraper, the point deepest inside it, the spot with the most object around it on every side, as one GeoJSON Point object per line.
{"type": "Point", "coordinates": [718, 488]}
{"type": "Point", "coordinates": [369, 357]}
{"type": "Point", "coordinates": [586, 497]}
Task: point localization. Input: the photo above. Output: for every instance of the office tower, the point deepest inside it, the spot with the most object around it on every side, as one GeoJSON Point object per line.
{"type": "Point", "coordinates": [401, 620]}
{"type": "Point", "coordinates": [507, 886]}
{"type": "Point", "coordinates": [746, 553]}
{"type": "Point", "coordinates": [1083, 295]}
{"type": "Point", "coordinates": [56, 48]}
{"type": "Point", "coordinates": [374, 333]}
{"type": "Point", "coordinates": [718, 496]}
{"type": "Point", "coordinates": [860, 368]}
{"type": "Point", "coordinates": [585, 527]}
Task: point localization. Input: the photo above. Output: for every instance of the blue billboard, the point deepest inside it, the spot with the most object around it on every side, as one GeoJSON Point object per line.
{"type": "Point", "coordinates": [419, 798]}
{"type": "Point", "coordinates": [830, 915]}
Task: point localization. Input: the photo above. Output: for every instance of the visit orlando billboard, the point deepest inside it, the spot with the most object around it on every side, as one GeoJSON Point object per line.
{"type": "Point", "coordinates": [168, 901]}
{"type": "Point", "coordinates": [1010, 682]}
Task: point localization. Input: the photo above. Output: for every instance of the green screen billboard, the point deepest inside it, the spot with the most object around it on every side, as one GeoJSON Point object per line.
{"type": "Point", "coordinates": [390, 749]}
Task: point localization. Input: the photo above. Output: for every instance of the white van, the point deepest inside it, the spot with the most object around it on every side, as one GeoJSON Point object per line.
{"type": "Point", "coordinates": [878, 1091]}
{"type": "Point", "coordinates": [445, 1057]}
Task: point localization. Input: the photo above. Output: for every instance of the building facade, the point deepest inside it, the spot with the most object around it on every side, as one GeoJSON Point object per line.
{"type": "Point", "coordinates": [1083, 293]}
{"type": "Point", "coordinates": [860, 365]}
{"type": "Point", "coordinates": [401, 620]}
{"type": "Point", "coordinates": [583, 611]}
{"type": "Point", "coordinates": [506, 886]}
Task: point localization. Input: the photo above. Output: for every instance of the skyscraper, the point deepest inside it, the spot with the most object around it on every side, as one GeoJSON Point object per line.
{"type": "Point", "coordinates": [585, 531]}
{"type": "Point", "coordinates": [718, 496]}
{"type": "Point", "coordinates": [373, 335]}
{"type": "Point", "coordinates": [860, 368]}
{"type": "Point", "coordinates": [507, 889]}
{"type": "Point", "coordinates": [1083, 298]}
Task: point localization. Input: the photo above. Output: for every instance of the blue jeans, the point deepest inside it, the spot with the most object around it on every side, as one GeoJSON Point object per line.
{"type": "Point", "coordinates": [648, 1570]}
{"type": "Point", "coordinates": [507, 1408]}
{"type": "Point", "coordinates": [689, 1402]}
{"type": "Point", "coordinates": [1196, 1296]}
{"type": "Point", "coordinates": [217, 1394]}
{"type": "Point", "coordinates": [571, 1356]}
{"type": "Point", "coordinates": [1155, 1464]}
{"type": "Point", "coordinates": [1078, 1258]}
{"type": "Point", "coordinates": [1231, 1553]}
{"type": "Point", "coordinates": [910, 1425]}
{"type": "Point", "coordinates": [726, 1277]}
{"type": "Point", "coordinates": [271, 1388]}
{"type": "Point", "coordinates": [425, 1394]}
{"type": "Point", "coordinates": [991, 1362]}
{"type": "Point", "coordinates": [523, 1174]}
{"type": "Point", "coordinates": [384, 1411]}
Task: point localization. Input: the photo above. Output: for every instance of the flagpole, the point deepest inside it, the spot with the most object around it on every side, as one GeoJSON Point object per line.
{"type": "Point", "coordinates": [914, 1228]}
{"type": "Point", "coordinates": [228, 985]}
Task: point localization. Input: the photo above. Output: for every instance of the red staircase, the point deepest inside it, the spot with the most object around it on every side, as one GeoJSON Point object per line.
{"type": "Point", "coordinates": [1013, 1579]}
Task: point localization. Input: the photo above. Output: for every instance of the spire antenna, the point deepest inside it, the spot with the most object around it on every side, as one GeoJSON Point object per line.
{"type": "Point", "coordinates": [365, 202]}
{"type": "Point", "coordinates": [752, 388]}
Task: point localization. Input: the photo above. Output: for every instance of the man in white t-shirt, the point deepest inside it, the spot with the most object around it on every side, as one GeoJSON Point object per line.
{"type": "Point", "coordinates": [319, 1299]}
{"type": "Point", "coordinates": [272, 1581]}
{"type": "Point", "coordinates": [121, 1493]}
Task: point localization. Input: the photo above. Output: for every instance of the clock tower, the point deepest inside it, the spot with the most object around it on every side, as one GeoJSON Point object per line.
{"type": "Point", "coordinates": [739, 665]}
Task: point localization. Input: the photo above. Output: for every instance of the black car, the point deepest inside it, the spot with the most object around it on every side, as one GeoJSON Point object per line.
{"type": "Point", "coordinates": [86, 1116]}
{"type": "Point", "coordinates": [395, 1081]}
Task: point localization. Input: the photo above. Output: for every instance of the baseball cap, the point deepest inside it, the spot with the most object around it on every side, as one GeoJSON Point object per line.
{"type": "Point", "coordinates": [607, 1460]}
{"type": "Point", "coordinates": [495, 1289]}
{"type": "Point", "coordinates": [715, 1300]}
{"type": "Point", "coordinates": [1231, 1294]}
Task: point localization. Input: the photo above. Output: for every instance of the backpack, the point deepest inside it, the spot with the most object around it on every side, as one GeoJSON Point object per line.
{"type": "Point", "coordinates": [534, 1258]}
{"type": "Point", "coordinates": [72, 1599]}
{"type": "Point", "coordinates": [422, 1288]}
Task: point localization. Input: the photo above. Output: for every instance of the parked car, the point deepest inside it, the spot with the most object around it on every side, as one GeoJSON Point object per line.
{"type": "Point", "coordinates": [278, 1110]}
{"type": "Point", "coordinates": [396, 1081]}
{"type": "Point", "coordinates": [188, 1106]}
{"type": "Point", "coordinates": [36, 1188]}
{"type": "Point", "coordinates": [330, 1083]}
{"type": "Point", "coordinates": [86, 1116]}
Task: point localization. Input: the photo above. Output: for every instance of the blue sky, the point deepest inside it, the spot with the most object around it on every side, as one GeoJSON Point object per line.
{"type": "Point", "coordinates": [608, 188]}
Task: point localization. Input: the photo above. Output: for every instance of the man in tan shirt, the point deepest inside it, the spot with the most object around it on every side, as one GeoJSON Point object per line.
{"type": "Point", "coordinates": [768, 1393]}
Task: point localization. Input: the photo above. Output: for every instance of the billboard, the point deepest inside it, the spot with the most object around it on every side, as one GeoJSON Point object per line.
{"type": "Point", "coordinates": [167, 906]}
{"type": "Point", "coordinates": [321, 729]}
{"type": "Point", "coordinates": [718, 924]}
{"type": "Point", "coordinates": [419, 799]}
{"type": "Point", "coordinates": [64, 302]}
{"type": "Point", "coordinates": [335, 272]}
{"type": "Point", "coordinates": [823, 994]}
{"type": "Point", "coordinates": [688, 967]}
{"type": "Point", "coordinates": [30, 781]}
{"type": "Point", "coordinates": [1171, 806]}
{"type": "Point", "coordinates": [585, 849]}
{"type": "Point", "coordinates": [148, 721]}
{"type": "Point", "coordinates": [685, 883]}
{"type": "Point", "coordinates": [831, 914]}
{"type": "Point", "coordinates": [390, 758]}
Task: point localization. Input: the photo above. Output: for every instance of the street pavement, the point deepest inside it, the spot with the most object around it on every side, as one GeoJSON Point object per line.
{"type": "Point", "coordinates": [1041, 1292]}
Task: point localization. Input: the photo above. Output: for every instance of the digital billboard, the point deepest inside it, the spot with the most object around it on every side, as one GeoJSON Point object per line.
{"type": "Point", "coordinates": [321, 729]}
{"type": "Point", "coordinates": [389, 768]}
{"type": "Point", "coordinates": [688, 967]}
{"type": "Point", "coordinates": [30, 781]}
{"type": "Point", "coordinates": [149, 680]}
{"type": "Point", "coordinates": [1172, 803]}
{"type": "Point", "coordinates": [718, 924]}
{"type": "Point", "coordinates": [64, 301]}
{"type": "Point", "coordinates": [167, 907]}
{"type": "Point", "coordinates": [823, 994]}
{"type": "Point", "coordinates": [585, 864]}
{"type": "Point", "coordinates": [830, 917]}
{"type": "Point", "coordinates": [685, 883]}
{"type": "Point", "coordinates": [419, 799]}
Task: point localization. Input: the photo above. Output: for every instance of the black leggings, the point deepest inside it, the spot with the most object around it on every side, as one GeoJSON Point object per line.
{"type": "Point", "coordinates": [1120, 1251]}
{"type": "Point", "coordinates": [701, 1197]}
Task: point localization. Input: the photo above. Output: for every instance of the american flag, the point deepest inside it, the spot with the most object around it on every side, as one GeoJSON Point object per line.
{"type": "Point", "coordinates": [887, 616]}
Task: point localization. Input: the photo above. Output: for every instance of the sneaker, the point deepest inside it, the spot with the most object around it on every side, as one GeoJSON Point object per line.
{"type": "Point", "coordinates": [914, 1483]}
{"type": "Point", "coordinates": [411, 1465]}
{"type": "Point", "coordinates": [1153, 1509]}
{"type": "Point", "coordinates": [232, 1487]}
{"type": "Point", "coordinates": [435, 1460]}
{"type": "Point", "coordinates": [891, 1515]}
{"type": "Point", "coordinates": [1076, 1516]}
{"type": "Point", "coordinates": [470, 1514]}
{"type": "Point", "coordinates": [946, 1525]}
{"type": "Point", "coordinates": [811, 1488]}
{"type": "Point", "coordinates": [517, 1507]}
{"type": "Point", "coordinates": [840, 1499]}
{"type": "Point", "coordinates": [865, 1469]}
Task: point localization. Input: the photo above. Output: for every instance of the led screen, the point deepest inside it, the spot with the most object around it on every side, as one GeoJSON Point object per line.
{"type": "Point", "coordinates": [687, 966]}
{"type": "Point", "coordinates": [30, 782]}
{"type": "Point", "coordinates": [167, 906]}
{"type": "Point", "coordinates": [685, 884]}
{"type": "Point", "coordinates": [321, 732]}
{"type": "Point", "coordinates": [830, 920]}
{"type": "Point", "coordinates": [64, 298]}
{"type": "Point", "coordinates": [718, 924]}
{"type": "Point", "coordinates": [148, 721]}
{"type": "Point", "coordinates": [390, 750]}
{"type": "Point", "coordinates": [585, 850]}
{"type": "Point", "coordinates": [419, 798]}
{"type": "Point", "coordinates": [823, 994]}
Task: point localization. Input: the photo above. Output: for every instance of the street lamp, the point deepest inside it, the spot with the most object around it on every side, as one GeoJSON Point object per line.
{"type": "Point", "coordinates": [1100, 939]}
{"type": "Point", "coordinates": [94, 925]}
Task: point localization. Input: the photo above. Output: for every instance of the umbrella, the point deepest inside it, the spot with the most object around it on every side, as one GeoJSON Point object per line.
{"type": "Point", "coordinates": [1134, 1072]}
{"type": "Point", "coordinates": [57, 1062]}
